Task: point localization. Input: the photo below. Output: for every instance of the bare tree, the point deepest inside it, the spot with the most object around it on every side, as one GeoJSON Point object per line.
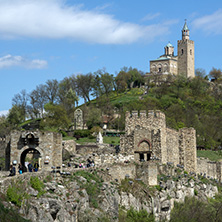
{"type": "Point", "coordinates": [52, 87]}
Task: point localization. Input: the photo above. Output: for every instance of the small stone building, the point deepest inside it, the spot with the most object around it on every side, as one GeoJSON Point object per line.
{"type": "Point", "coordinates": [147, 138]}
{"type": "Point", "coordinates": [46, 147]}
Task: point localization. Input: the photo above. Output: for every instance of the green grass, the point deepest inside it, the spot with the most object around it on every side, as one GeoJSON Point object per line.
{"type": "Point", "coordinates": [123, 98]}
{"type": "Point", "coordinates": [85, 140]}
{"type": "Point", "coordinates": [68, 138]}
{"type": "Point", "coordinates": [106, 139]}
{"type": "Point", "coordinates": [211, 155]}
{"type": "Point", "coordinates": [111, 140]}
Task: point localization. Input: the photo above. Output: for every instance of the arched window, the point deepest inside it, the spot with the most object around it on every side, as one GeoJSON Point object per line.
{"type": "Point", "coordinates": [159, 68]}
{"type": "Point", "coordinates": [154, 68]}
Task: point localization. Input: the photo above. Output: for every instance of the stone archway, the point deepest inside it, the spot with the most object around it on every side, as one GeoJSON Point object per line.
{"type": "Point", "coordinates": [30, 155]}
{"type": "Point", "coordinates": [143, 151]}
{"type": "Point", "coordinates": [46, 144]}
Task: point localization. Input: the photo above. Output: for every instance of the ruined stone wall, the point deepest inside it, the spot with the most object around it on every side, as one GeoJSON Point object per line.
{"type": "Point", "coordinates": [111, 158]}
{"type": "Point", "coordinates": [187, 149]}
{"type": "Point", "coordinates": [147, 172]}
{"type": "Point", "coordinates": [119, 171]}
{"type": "Point", "coordinates": [210, 169]}
{"type": "Point", "coordinates": [49, 145]}
{"type": "Point", "coordinates": [57, 149]}
{"type": "Point", "coordinates": [166, 145]}
{"type": "Point", "coordinates": [70, 146]}
{"type": "Point", "coordinates": [126, 143]}
{"type": "Point", "coordinates": [172, 142]}
{"type": "Point", "coordinates": [3, 145]}
{"type": "Point", "coordinates": [150, 126]}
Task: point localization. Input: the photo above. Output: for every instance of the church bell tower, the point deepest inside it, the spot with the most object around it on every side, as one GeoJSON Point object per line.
{"type": "Point", "coordinates": [185, 54]}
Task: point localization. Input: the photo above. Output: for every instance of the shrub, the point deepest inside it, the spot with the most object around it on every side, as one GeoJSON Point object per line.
{"type": "Point", "coordinates": [139, 216]}
{"type": "Point", "coordinates": [92, 188]}
{"type": "Point", "coordinates": [195, 192]}
{"type": "Point", "coordinates": [64, 134]}
{"type": "Point", "coordinates": [81, 133]}
{"type": "Point", "coordinates": [37, 185]}
{"type": "Point", "coordinates": [16, 193]}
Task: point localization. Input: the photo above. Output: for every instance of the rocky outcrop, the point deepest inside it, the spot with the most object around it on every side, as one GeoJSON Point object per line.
{"type": "Point", "coordinates": [84, 196]}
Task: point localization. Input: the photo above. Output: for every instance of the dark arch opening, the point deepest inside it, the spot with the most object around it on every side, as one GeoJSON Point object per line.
{"type": "Point", "coordinates": [145, 152]}
{"type": "Point", "coordinates": [30, 155]}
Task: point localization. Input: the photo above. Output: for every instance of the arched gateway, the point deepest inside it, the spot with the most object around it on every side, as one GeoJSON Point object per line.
{"type": "Point", "coordinates": [143, 151]}
{"type": "Point", "coordinates": [43, 147]}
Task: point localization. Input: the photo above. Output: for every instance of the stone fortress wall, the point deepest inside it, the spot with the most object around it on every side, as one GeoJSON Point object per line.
{"type": "Point", "coordinates": [146, 133]}
{"type": "Point", "coordinates": [46, 145]}
{"type": "Point", "coordinates": [146, 136]}
{"type": "Point", "coordinates": [209, 169]}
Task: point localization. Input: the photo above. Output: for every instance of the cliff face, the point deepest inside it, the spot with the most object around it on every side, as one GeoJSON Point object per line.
{"type": "Point", "coordinates": [88, 195]}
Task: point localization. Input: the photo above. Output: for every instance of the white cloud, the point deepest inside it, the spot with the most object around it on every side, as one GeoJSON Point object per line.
{"type": "Point", "coordinates": [4, 112]}
{"type": "Point", "coordinates": [211, 24]}
{"type": "Point", "coordinates": [151, 16]}
{"type": "Point", "coordinates": [56, 19]}
{"type": "Point", "coordinates": [9, 61]}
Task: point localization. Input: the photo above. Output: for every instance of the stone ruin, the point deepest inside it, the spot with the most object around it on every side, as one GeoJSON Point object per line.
{"type": "Point", "coordinates": [147, 138]}
{"type": "Point", "coordinates": [46, 147]}
{"type": "Point", "coordinates": [78, 119]}
{"type": "Point", "coordinates": [146, 146]}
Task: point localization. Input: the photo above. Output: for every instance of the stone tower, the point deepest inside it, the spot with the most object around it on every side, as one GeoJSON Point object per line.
{"type": "Point", "coordinates": [186, 54]}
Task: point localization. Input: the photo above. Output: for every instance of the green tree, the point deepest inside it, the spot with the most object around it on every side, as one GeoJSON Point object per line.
{"type": "Point", "coordinates": [84, 85]}
{"type": "Point", "coordinates": [15, 116]}
{"type": "Point", "coordinates": [93, 118]}
{"type": "Point", "coordinates": [200, 72]}
{"type": "Point", "coordinates": [215, 74]}
{"type": "Point", "coordinates": [55, 117]}
{"type": "Point", "coordinates": [67, 95]}
{"type": "Point", "coordinates": [38, 98]}
{"type": "Point", "coordinates": [52, 87]}
{"type": "Point", "coordinates": [20, 101]}
{"type": "Point", "coordinates": [193, 210]}
{"type": "Point", "coordinates": [122, 81]}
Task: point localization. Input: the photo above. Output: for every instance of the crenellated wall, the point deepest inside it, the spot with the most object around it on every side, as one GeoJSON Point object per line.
{"type": "Point", "coordinates": [147, 135]}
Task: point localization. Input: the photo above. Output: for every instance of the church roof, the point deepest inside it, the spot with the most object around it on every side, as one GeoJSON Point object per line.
{"type": "Point", "coordinates": [161, 58]}
{"type": "Point", "coordinates": [185, 27]}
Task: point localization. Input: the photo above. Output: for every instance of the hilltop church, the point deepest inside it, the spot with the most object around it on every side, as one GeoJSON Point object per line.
{"type": "Point", "coordinates": [182, 64]}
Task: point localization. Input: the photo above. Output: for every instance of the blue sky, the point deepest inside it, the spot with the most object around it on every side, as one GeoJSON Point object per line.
{"type": "Point", "coordinates": [53, 39]}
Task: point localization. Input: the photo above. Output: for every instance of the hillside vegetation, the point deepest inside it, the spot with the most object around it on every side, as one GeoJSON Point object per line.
{"type": "Point", "coordinates": [186, 102]}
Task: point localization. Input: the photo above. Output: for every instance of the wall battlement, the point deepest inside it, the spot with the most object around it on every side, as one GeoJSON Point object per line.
{"type": "Point", "coordinates": [147, 137]}
{"type": "Point", "coordinates": [145, 119]}
{"type": "Point", "coordinates": [145, 114]}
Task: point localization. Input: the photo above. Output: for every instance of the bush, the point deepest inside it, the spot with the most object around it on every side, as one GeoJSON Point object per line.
{"type": "Point", "coordinates": [192, 210]}
{"type": "Point", "coordinates": [37, 185]}
{"type": "Point", "coordinates": [64, 134]}
{"type": "Point", "coordinates": [139, 216]}
{"type": "Point", "coordinates": [16, 193]}
{"type": "Point", "coordinates": [195, 192]}
{"type": "Point", "coordinates": [92, 186]}
{"type": "Point", "coordinates": [81, 133]}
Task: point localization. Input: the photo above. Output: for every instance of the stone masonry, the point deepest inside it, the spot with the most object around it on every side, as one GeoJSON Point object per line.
{"type": "Point", "coordinates": [47, 145]}
{"type": "Point", "coordinates": [147, 138]}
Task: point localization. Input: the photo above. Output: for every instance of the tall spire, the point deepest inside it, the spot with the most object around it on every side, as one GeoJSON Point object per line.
{"type": "Point", "coordinates": [185, 32]}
